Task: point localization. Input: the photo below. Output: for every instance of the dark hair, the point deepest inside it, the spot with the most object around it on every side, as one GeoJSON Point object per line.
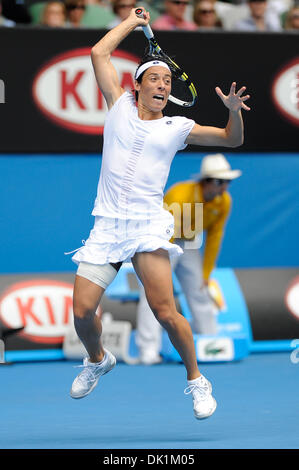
{"type": "Point", "coordinates": [144, 60]}
{"type": "Point", "coordinates": [70, 4]}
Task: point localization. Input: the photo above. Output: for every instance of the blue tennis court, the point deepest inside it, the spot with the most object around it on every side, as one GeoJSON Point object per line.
{"type": "Point", "coordinates": [144, 407]}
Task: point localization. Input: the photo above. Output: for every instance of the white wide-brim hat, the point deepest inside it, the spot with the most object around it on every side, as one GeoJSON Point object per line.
{"type": "Point", "coordinates": [216, 166]}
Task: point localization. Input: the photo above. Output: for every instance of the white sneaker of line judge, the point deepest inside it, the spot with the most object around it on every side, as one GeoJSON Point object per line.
{"type": "Point", "coordinates": [87, 380]}
{"type": "Point", "coordinates": [204, 404]}
{"type": "Point", "coordinates": [148, 357]}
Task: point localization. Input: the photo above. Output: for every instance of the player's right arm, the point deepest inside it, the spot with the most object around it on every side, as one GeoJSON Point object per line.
{"type": "Point", "coordinates": [105, 73]}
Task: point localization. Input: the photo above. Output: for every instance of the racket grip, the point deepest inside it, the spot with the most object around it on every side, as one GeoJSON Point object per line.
{"type": "Point", "coordinates": [146, 29]}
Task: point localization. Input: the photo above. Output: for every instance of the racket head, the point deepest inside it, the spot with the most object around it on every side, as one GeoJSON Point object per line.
{"type": "Point", "coordinates": [183, 92]}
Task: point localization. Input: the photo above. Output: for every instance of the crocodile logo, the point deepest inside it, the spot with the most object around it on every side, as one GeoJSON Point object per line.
{"type": "Point", "coordinates": [211, 349]}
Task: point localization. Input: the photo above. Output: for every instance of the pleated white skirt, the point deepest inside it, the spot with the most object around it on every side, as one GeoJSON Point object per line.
{"type": "Point", "coordinates": [112, 240]}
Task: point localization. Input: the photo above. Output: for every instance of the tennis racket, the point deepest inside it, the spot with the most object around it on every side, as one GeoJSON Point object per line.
{"type": "Point", "coordinates": [183, 92]}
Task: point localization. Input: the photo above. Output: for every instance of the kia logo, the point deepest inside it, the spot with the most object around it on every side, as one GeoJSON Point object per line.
{"type": "Point", "coordinates": [285, 91]}
{"type": "Point", "coordinates": [42, 306]}
{"type": "Point", "coordinates": [66, 92]}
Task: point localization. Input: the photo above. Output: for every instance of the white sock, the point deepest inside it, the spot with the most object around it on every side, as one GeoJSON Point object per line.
{"type": "Point", "coordinates": [193, 381]}
{"type": "Point", "coordinates": [98, 363]}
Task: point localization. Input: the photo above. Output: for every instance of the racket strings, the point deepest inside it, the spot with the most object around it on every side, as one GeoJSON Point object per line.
{"type": "Point", "coordinates": [183, 92]}
{"type": "Point", "coordinates": [180, 90]}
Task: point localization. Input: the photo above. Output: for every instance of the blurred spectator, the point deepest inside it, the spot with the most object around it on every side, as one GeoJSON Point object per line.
{"type": "Point", "coordinates": [279, 7]}
{"type": "Point", "coordinates": [75, 10]}
{"type": "Point", "coordinates": [205, 15]}
{"type": "Point", "coordinates": [232, 13]}
{"type": "Point", "coordinates": [292, 19]}
{"type": "Point", "coordinates": [121, 9]}
{"type": "Point", "coordinates": [259, 20]}
{"type": "Point", "coordinates": [174, 17]}
{"type": "Point", "coordinates": [98, 14]}
{"type": "Point", "coordinates": [16, 11]}
{"type": "Point", "coordinates": [228, 13]}
{"type": "Point", "coordinates": [4, 21]}
{"type": "Point", "coordinates": [152, 7]}
{"type": "Point", "coordinates": [53, 15]}
{"type": "Point", "coordinates": [36, 11]}
{"type": "Point", "coordinates": [104, 3]}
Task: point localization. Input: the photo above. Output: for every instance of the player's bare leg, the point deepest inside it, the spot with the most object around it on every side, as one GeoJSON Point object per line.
{"type": "Point", "coordinates": [154, 271]}
{"type": "Point", "coordinates": [86, 299]}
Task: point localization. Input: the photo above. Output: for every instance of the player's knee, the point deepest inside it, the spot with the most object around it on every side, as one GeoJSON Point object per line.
{"type": "Point", "coordinates": [83, 309]}
{"type": "Point", "coordinates": [165, 315]}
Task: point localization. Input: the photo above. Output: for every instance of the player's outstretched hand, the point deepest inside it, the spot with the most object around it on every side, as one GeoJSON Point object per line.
{"type": "Point", "coordinates": [234, 101]}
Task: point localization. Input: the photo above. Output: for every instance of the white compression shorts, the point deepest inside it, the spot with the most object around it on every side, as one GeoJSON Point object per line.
{"type": "Point", "coordinates": [100, 274]}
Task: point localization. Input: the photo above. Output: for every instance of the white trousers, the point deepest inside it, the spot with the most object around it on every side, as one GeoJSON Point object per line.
{"type": "Point", "coordinates": [188, 269]}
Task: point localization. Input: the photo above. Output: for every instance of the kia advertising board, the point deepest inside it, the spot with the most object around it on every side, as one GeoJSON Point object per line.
{"type": "Point", "coordinates": [285, 91]}
{"type": "Point", "coordinates": [272, 298]}
{"type": "Point", "coordinates": [258, 310]}
{"type": "Point", "coordinates": [52, 103]}
{"type": "Point", "coordinates": [42, 306]}
{"type": "Point", "coordinates": [65, 89]}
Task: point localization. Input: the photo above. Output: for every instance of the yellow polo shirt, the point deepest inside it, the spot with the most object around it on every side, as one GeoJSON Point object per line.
{"type": "Point", "coordinates": [215, 214]}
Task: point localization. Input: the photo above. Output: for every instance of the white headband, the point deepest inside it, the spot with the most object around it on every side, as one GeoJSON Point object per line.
{"type": "Point", "coordinates": [147, 65]}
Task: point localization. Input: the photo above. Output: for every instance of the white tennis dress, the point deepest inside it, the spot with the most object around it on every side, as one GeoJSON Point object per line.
{"type": "Point", "coordinates": [128, 210]}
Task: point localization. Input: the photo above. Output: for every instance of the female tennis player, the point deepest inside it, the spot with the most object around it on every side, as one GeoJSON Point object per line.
{"type": "Point", "coordinates": [130, 222]}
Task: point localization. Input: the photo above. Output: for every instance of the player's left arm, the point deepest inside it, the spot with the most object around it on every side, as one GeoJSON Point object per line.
{"type": "Point", "coordinates": [233, 134]}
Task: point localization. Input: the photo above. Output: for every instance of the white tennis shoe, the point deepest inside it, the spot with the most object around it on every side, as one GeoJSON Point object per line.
{"type": "Point", "coordinates": [204, 404]}
{"type": "Point", "coordinates": [149, 358]}
{"type": "Point", "coordinates": [87, 380]}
